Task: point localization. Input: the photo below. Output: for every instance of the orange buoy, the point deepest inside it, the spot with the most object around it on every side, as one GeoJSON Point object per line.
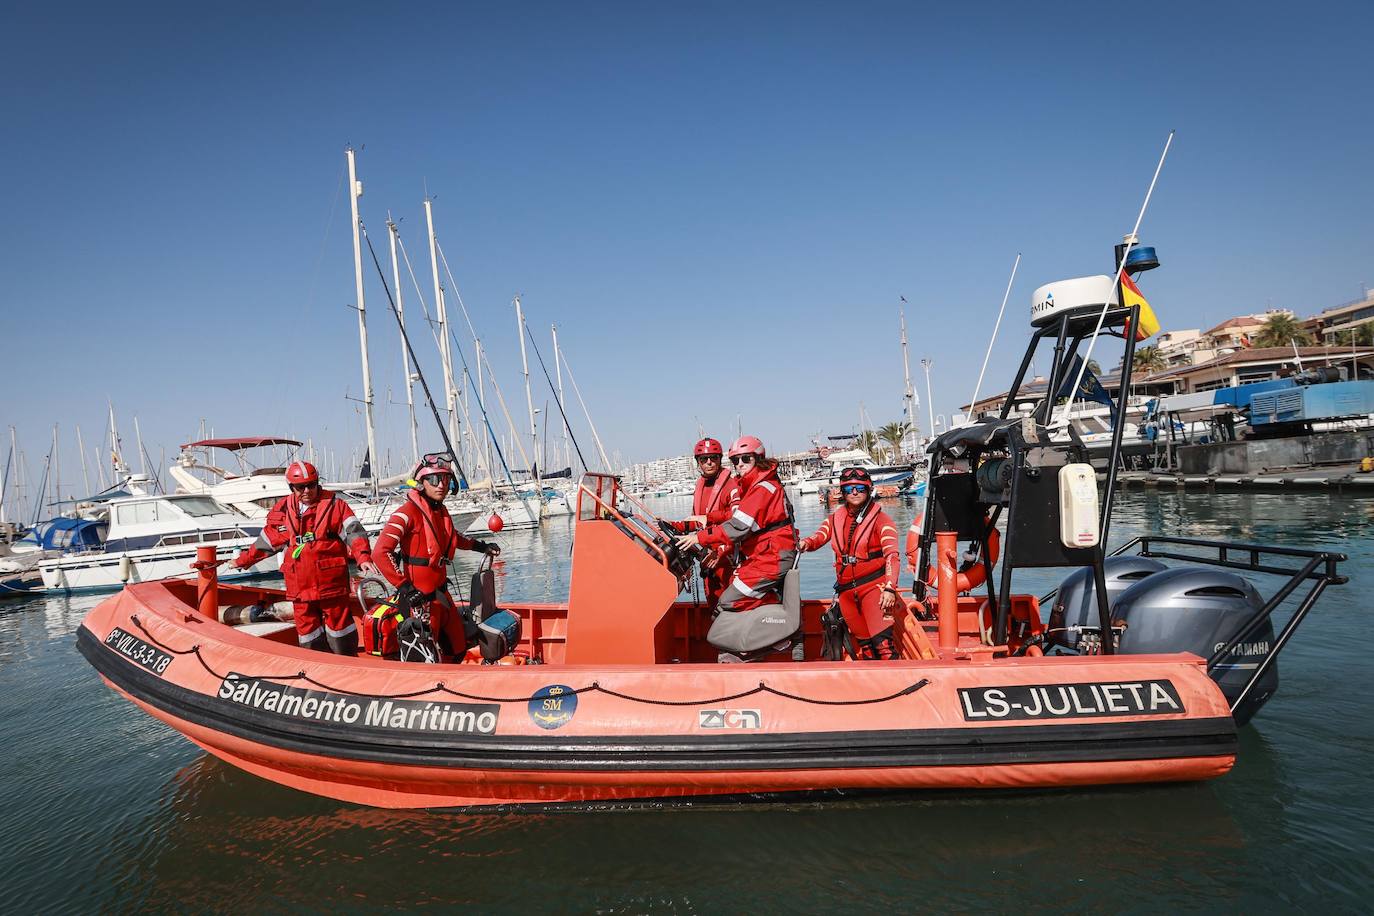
{"type": "Point", "coordinates": [495, 522]}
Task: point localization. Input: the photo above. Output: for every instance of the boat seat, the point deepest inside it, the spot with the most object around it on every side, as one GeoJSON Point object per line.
{"type": "Point", "coordinates": [482, 594]}
{"type": "Point", "coordinates": [748, 632]}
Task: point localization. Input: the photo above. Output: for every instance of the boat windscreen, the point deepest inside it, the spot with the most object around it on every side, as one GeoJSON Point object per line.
{"type": "Point", "coordinates": [197, 506]}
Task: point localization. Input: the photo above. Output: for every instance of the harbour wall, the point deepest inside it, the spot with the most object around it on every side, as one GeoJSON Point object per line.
{"type": "Point", "coordinates": [1255, 456]}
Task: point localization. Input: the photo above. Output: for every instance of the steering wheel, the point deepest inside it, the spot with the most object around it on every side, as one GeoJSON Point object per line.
{"type": "Point", "coordinates": [678, 560]}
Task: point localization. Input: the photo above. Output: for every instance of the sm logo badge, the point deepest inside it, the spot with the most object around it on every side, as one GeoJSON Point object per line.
{"type": "Point", "coordinates": [729, 718]}
{"type": "Point", "coordinates": [553, 706]}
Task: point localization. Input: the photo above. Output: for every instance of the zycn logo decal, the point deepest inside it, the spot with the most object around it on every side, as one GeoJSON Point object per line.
{"type": "Point", "coordinates": [729, 718]}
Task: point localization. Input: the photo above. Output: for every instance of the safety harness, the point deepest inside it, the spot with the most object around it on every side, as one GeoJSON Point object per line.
{"type": "Point", "coordinates": [301, 538]}
{"type": "Point", "coordinates": [428, 561]}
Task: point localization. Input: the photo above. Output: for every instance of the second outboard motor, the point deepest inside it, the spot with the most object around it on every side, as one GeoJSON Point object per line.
{"type": "Point", "coordinates": [1198, 610]}
{"type": "Point", "coordinates": [1075, 605]}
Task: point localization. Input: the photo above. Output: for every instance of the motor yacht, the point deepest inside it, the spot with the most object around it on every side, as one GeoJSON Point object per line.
{"type": "Point", "coordinates": [853, 458]}
{"type": "Point", "coordinates": [154, 536]}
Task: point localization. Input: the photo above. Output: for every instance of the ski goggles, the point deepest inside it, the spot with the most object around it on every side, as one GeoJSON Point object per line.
{"type": "Point", "coordinates": [439, 462]}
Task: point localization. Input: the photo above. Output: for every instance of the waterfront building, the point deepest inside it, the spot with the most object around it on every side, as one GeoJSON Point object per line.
{"type": "Point", "coordinates": [1334, 325]}
{"type": "Point", "coordinates": [1251, 364]}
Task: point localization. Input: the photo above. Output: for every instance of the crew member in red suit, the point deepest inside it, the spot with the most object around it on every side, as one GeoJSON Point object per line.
{"type": "Point", "coordinates": [866, 563]}
{"type": "Point", "coordinates": [714, 501]}
{"type": "Point", "coordinates": [416, 546]}
{"type": "Point", "coordinates": [318, 531]}
{"type": "Point", "coordinates": [759, 529]}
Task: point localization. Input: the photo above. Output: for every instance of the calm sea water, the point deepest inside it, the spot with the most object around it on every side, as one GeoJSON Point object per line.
{"type": "Point", "coordinates": [106, 809]}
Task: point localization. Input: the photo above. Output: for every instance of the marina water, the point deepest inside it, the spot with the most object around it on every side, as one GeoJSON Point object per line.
{"type": "Point", "coordinates": [110, 810]}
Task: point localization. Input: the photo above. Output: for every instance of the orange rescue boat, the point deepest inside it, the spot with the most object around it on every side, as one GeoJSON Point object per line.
{"type": "Point", "coordinates": [628, 703]}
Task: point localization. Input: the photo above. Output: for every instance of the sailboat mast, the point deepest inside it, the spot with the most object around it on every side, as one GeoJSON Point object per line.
{"type": "Point", "coordinates": [482, 399]}
{"type": "Point", "coordinates": [138, 438]}
{"type": "Point", "coordinates": [529, 400]}
{"type": "Point", "coordinates": [5, 480]}
{"type": "Point", "coordinates": [56, 470]}
{"type": "Point", "coordinates": [81, 450]}
{"type": "Point", "coordinates": [908, 395]}
{"type": "Point", "coordinates": [926, 363]}
{"type": "Point", "coordinates": [562, 404]}
{"type": "Point", "coordinates": [586, 413]}
{"type": "Point", "coordinates": [392, 233]}
{"type": "Point", "coordinates": [355, 190]}
{"type": "Point", "coordinates": [441, 310]}
{"type": "Point", "coordinates": [121, 468]}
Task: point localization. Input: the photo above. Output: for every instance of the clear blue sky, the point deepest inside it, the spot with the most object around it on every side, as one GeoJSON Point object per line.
{"type": "Point", "coordinates": [719, 203]}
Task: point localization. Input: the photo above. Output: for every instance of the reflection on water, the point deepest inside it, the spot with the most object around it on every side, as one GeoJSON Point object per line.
{"type": "Point", "coordinates": [709, 856]}
{"type": "Point", "coordinates": [118, 812]}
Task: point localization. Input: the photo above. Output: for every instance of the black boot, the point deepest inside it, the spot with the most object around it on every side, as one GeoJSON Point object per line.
{"type": "Point", "coordinates": [881, 647]}
{"type": "Point", "coordinates": [318, 642]}
{"type": "Point", "coordinates": [346, 644]}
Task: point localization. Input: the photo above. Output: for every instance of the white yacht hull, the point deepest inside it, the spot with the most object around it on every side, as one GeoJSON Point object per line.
{"type": "Point", "coordinates": [102, 571]}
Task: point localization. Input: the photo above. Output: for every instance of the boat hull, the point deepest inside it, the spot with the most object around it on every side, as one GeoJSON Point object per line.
{"type": "Point", "coordinates": [100, 571]}
{"type": "Point", "coordinates": [389, 734]}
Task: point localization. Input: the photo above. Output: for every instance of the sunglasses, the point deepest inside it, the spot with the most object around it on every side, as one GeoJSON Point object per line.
{"type": "Point", "coordinates": [743, 459]}
{"type": "Point", "coordinates": [704, 459]}
{"type": "Point", "coordinates": [435, 480]}
{"type": "Point", "coordinates": [854, 488]}
{"type": "Point", "coordinates": [302, 487]}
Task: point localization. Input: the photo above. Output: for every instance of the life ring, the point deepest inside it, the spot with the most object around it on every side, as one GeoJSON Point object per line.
{"type": "Point", "coordinates": [965, 580]}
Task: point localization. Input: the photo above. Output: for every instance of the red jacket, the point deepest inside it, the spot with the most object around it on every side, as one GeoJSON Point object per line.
{"type": "Point", "coordinates": [716, 500]}
{"type": "Point", "coordinates": [865, 546]}
{"type": "Point", "coordinates": [315, 562]}
{"type": "Point", "coordinates": [417, 543]}
{"type": "Point", "coordinates": [760, 526]}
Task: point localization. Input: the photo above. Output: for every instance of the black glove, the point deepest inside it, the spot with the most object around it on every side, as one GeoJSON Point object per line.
{"type": "Point", "coordinates": [409, 596]}
{"type": "Point", "coordinates": [487, 548]}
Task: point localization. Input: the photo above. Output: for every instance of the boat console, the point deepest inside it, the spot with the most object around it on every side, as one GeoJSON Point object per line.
{"type": "Point", "coordinates": [1017, 472]}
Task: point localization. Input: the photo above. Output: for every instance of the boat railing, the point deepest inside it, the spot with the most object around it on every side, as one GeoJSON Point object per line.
{"type": "Point", "coordinates": [605, 510]}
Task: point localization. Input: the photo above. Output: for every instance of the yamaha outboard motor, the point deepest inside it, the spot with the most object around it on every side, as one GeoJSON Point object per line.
{"type": "Point", "coordinates": [1075, 604]}
{"type": "Point", "coordinates": [1199, 610]}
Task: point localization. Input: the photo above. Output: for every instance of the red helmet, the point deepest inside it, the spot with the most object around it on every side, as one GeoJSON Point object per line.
{"type": "Point", "coordinates": [856, 475]}
{"type": "Point", "coordinates": [707, 446]}
{"type": "Point", "coordinates": [302, 472]}
{"type": "Point", "coordinates": [746, 445]}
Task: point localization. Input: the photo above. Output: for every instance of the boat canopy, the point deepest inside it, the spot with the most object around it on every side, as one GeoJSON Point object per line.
{"type": "Point", "coordinates": [62, 533]}
{"type": "Point", "coordinates": [234, 445]}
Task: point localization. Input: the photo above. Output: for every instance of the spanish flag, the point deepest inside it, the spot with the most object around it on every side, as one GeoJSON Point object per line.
{"type": "Point", "coordinates": [1130, 295]}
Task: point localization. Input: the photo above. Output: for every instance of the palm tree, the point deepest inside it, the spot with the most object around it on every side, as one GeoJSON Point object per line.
{"type": "Point", "coordinates": [893, 434]}
{"type": "Point", "coordinates": [1280, 330]}
{"type": "Point", "coordinates": [1362, 335]}
{"type": "Point", "coordinates": [868, 441]}
{"type": "Point", "coordinates": [1148, 360]}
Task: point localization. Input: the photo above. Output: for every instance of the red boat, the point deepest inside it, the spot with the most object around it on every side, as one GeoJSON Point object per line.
{"type": "Point", "coordinates": [628, 703]}
{"type": "Point", "coordinates": [1142, 673]}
